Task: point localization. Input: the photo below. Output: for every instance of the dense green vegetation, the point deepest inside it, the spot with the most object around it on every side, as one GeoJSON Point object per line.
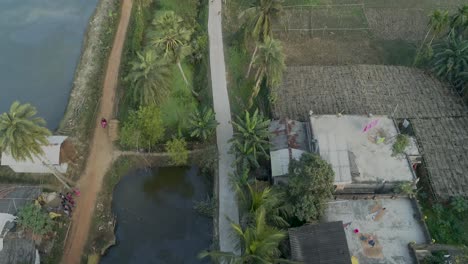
{"type": "Point", "coordinates": [446, 51]}
{"type": "Point", "coordinates": [165, 47]}
{"type": "Point", "coordinates": [32, 218]}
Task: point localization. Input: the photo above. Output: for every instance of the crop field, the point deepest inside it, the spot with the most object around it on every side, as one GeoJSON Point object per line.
{"type": "Point", "coordinates": [337, 32]}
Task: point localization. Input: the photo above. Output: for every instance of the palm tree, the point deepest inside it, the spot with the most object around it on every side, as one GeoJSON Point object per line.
{"type": "Point", "coordinates": [459, 21]}
{"type": "Point", "coordinates": [259, 244]}
{"type": "Point", "coordinates": [438, 21]}
{"type": "Point", "coordinates": [258, 21]}
{"type": "Point", "coordinates": [250, 139]}
{"type": "Point", "coordinates": [173, 38]}
{"type": "Point", "coordinates": [149, 78]}
{"type": "Point", "coordinates": [259, 18]}
{"type": "Point", "coordinates": [22, 134]}
{"type": "Point", "coordinates": [269, 62]}
{"type": "Point", "coordinates": [203, 123]}
{"type": "Point", "coordinates": [450, 58]}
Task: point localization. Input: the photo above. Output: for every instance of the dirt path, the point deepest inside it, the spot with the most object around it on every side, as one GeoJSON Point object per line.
{"type": "Point", "coordinates": [100, 156]}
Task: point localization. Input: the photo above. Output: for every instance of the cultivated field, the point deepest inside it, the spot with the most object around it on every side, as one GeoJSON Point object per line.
{"type": "Point", "coordinates": [337, 32]}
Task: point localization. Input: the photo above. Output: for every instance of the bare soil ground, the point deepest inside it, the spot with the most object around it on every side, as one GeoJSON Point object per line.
{"type": "Point", "coordinates": [341, 32]}
{"type": "Point", "coordinates": [101, 154]}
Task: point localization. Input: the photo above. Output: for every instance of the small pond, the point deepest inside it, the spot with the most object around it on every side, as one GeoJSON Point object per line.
{"type": "Point", "coordinates": [156, 222]}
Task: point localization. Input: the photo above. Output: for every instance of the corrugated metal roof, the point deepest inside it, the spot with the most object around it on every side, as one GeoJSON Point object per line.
{"type": "Point", "coordinates": [323, 243]}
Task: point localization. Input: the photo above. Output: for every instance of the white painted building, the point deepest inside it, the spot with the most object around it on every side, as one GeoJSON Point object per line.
{"type": "Point", "coordinates": [45, 163]}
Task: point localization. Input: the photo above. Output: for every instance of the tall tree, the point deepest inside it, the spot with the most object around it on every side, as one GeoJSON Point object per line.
{"type": "Point", "coordinates": [450, 59]}
{"type": "Point", "coordinates": [173, 38]}
{"type": "Point", "coordinates": [250, 139]}
{"type": "Point", "coordinates": [438, 21]}
{"type": "Point", "coordinates": [259, 244]}
{"type": "Point", "coordinates": [310, 185]}
{"type": "Point", "coordinates": [259, 18]}
{"type": "Point", "coordinates": [258, 22]}
{"type": "Point", "coordinates": [149, 78]}
{"type": "Point", "coordinates": [269, 62]}
{"type": "Point", "coordinates": [22, 134]}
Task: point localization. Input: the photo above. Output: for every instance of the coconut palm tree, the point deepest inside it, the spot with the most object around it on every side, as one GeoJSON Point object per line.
{"type": "Point", "coordinates": [250, 139]}
{"type": "Point", "coordinates": [149, 78]}
{"type": "Point", "coordinates": [459, 21]}
{"type": "Point", "coordinates": [203, 123]}
{"type": "Point", "coordinates": [450, 58]}
{"type": "Point", "coordinates": [259, 20]}
{"type": "Point", "coordinates": [22, 134]}
{"type": "Point", "coordinates": [438, 21]}
{"type": "Point", "coordinates": [269, 62]}
{"type": "Point", "coordinates": [258, 244]}
{"type": "Point", "coordinates": [173, 38]}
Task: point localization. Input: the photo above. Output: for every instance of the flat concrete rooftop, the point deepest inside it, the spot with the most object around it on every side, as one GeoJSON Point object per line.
{"type": "Point", "coordinates": [391, 229]}
{"type": "Point", "coordinates": [355, 153]}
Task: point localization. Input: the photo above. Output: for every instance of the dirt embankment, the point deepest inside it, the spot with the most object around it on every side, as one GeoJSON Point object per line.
{"type": "Point", "coordinates": [82, 108]}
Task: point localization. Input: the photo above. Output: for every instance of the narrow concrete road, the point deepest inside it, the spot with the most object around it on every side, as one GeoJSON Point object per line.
{"type": "Point", "coordinates": [100, 155]}
{"type": "Point", "coordinates": [228, 210]}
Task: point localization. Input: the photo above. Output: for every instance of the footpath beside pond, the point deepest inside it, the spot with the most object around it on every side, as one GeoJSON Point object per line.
{"type": "Point", "coordinates": [101, 153]}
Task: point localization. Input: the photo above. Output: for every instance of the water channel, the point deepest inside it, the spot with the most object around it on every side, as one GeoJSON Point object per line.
{"type": "Point", "coordinates": [156, 222]}
{"type": "Point", "coordinates": [40, 45]}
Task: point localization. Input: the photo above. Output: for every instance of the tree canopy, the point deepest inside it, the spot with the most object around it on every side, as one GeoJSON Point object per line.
{"type": "Point", "coordinates": [149, 78]}
{"type": "Point", "coordinates": [177, 149]}
{"type": "Point", "coordinates": [22, 133]}
{"type": "Point", "coordinates": [310, 185]}
{"type": "Point", "coordinates": [143, 128]}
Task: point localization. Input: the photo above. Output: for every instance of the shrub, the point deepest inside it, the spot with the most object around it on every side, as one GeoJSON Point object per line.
{"type": "Point", "coordinates": [33, 218]}
{"type": "Point", "coordinates": [400, 144]}
{"type": "Point", "coordinates": [177, 149]}
{"type": "Point", "coordinates": [143, 128]}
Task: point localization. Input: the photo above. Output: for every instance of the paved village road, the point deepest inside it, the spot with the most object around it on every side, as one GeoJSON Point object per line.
{"type": "Point", "coordinates": [228, 210]}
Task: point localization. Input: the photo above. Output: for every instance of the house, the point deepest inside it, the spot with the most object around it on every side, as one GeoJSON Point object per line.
{"type": "Point", "coordinates": [359, 149]}
{"type": "Point", "coordinates": [49, 162]}
{"type": "Point", "coordinates": [323, 243]}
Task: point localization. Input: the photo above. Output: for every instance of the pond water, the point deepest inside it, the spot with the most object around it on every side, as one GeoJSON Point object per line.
{"type": "Point", "coordinates": [156, 222]}
{"type": "Point", "coordinates": [40, 45]}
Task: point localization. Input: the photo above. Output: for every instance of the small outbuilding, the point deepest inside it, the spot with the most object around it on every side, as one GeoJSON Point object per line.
{"type": "Point", "coordinates": [323, 243]}
{"type": "Point", "coordinates": [49, 162]}
{"type": "Point", "coordinates": [289, 140]}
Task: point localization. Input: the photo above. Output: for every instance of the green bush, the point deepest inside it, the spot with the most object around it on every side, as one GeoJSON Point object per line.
{"type": "Point", "coordinates": [400, 144]}
{"type": "Point", "coordinates": [177, 149]}
{"type": "Point", "coordinates": [33, 218]}
{"type": "Point", "coordinates": [143, 128]}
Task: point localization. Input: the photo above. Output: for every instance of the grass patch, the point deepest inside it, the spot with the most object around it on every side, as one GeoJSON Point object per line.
{"type": "Point", "coordinates": [240, 88]}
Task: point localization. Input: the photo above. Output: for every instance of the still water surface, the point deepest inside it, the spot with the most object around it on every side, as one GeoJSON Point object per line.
{"type": "Point", "coordinates": [40, 45]}
{"type": "Point", "coordinates": [156, 222]}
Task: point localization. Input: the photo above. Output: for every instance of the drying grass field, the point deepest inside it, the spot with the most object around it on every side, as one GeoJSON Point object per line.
{"type": "Point", "coordinates": [338, 32]}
